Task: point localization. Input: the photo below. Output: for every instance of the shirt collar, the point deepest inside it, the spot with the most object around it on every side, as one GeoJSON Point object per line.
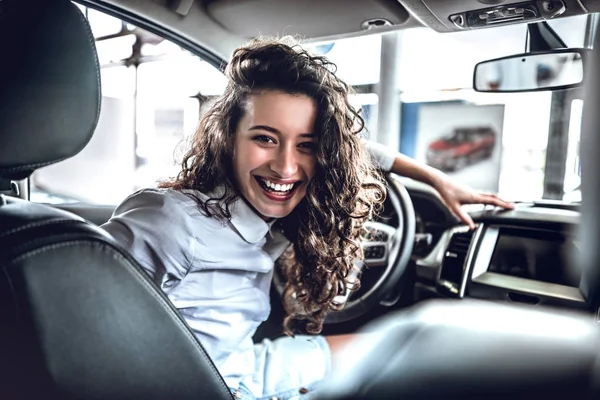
{"type": "Point", "coordinates": [248, 224]}
{"type": "Point", "coordinates": [251, 227]}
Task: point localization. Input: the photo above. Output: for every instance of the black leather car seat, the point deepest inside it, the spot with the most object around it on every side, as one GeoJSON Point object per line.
{"type": "Point", "coordinates": [466, 349]}
{"type": "Point", "coordinates": [78, 317]}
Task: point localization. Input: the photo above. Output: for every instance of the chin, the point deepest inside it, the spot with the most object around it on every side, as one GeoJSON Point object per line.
{"type": "Point", "coordinates": [269, 209]}
{"type": "Point", "coordinates": [277, 214]}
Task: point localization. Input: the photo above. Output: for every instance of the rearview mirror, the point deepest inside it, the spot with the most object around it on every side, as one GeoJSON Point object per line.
{"type": "Point", "coordinates": [556, 69]}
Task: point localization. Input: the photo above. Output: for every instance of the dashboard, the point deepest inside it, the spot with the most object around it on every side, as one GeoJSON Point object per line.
{"type": "Point", "coordinates": [526, 255]}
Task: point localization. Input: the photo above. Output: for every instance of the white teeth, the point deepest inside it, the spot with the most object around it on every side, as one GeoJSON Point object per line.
{"type": "Point", "coordinates": [278, 187]}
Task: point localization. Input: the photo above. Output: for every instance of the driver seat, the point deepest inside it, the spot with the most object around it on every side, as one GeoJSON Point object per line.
{"type": "Point", "coordinates": [79, 318]}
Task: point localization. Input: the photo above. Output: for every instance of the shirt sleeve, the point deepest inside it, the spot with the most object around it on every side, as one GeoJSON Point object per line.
{"type": "Point", "coordinates": [383, 155]}
{"type": "Point", "coordinates": [155, 228]}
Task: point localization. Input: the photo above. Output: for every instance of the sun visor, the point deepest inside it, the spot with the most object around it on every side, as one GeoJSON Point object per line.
{"type": "Point", "coordinates": [309, 18]}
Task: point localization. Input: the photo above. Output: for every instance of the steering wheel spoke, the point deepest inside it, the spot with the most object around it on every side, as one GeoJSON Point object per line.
{"type": "Point", "coordinates": [378, 243]}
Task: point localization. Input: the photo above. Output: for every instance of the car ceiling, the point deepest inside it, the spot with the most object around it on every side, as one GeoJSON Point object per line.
{"type": "Point", "coordinates": [221, 25]}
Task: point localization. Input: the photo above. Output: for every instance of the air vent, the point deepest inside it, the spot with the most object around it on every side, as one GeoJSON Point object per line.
{"type": "Point", "coordinates": [460, 242]}
{"type": "Point", "coordinates": [454, 262]}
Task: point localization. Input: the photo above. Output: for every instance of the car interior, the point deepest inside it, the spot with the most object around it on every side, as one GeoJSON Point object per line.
{"type": "Point", "coordinates": [510, 309]}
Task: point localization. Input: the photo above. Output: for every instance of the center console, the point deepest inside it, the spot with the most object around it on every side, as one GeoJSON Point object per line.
{"type": "Point", "coordinates": [526, 265]}
{"type": "Point", "coordinates": [516, 257]}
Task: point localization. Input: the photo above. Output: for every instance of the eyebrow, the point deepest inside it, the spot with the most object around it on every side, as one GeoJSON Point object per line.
{"type": "Point", "coordinates": [276, 131]}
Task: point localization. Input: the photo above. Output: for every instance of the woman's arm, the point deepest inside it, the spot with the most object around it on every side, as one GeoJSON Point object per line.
{"type": "Point", "coordinates": [452, 193]}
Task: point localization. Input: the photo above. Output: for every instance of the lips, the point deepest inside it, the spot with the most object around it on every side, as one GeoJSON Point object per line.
{"type": "Point", "coordinates": [277, 191]}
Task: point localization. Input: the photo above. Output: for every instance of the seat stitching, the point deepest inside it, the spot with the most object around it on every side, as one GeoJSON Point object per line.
{"type": "Point", "coordinates": [39, 224]}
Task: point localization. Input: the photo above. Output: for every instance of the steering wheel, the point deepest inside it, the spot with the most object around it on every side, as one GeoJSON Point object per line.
{"type": "Point", "coordinates": [389, 249]}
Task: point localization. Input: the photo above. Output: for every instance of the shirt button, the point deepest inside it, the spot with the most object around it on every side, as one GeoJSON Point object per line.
{"type": "Point", "coordinates": [303, 390]}
{"type": "Point", "coordinates": [274, 398]}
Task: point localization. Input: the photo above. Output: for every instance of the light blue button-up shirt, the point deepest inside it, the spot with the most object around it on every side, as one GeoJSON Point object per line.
{"type": "Point", "coordinates": [217, 274]}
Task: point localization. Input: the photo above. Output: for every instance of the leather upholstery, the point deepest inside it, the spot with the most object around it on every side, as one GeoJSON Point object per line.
{"type": "Point", "coordinates": [78, 317]}
{"type": "Point", "coordinates": [472, 350]}
{"type": "Point", "coordinates": [50, 84]}
{"type": "Point", "coordinates": [81, 319]}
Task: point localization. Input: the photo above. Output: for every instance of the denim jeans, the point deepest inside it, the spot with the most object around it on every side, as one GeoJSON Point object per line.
{"type": "Point", "coordinates": [286, 369]}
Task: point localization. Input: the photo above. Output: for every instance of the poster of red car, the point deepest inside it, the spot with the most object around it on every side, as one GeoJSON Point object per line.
{"type": "Point", "coordinates": [463, 146]}
{"type": "Point", "coordinates": [462, 140]}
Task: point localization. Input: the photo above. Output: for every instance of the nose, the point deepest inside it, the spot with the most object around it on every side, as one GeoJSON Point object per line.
{"type": "Point", "coordinates": [285, 162]}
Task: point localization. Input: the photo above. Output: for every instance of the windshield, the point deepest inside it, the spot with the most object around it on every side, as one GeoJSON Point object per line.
{"type": "Point", "coordinates": [414, 88]}
{"type": "Point", "coordinates": [535, 151]}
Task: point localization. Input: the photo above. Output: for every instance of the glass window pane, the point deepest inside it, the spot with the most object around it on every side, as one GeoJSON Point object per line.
{"type": "Point", "coordinates": [161, 48]}
{"type": "Point", "coordinates": [450, 58]}
{"type": "Point", "coordinates": [115, 49]}
{"type": "Point", "coordinates": [571, 30]}
{"type": "Point", "coordinates": [168, 110]}
{"type": "Point", "coordinates": [357, 59]}
{"type": "Point", "coordinates": [118, 81]}
{"type": "Point", "coordinates": [102, 24]}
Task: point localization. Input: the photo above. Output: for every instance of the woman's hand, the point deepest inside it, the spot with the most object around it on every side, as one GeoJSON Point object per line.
{"type": "Point", "coordinates": [455, 195]}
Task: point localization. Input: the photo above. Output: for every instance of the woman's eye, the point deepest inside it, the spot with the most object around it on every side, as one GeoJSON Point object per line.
{"type": "Point", "coordinates": [263, 139]}
{"type": "Point", "coordinates": [308, 146]}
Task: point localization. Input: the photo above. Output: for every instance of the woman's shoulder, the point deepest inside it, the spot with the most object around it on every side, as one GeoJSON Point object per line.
{"type": "Point", "coordinates": [158, 226]}
{"type": "Point", "coordinates": [161, 207]}
{"type": "Point", "coordinates": [159, 212]}
{"type": "Point", "coordinates": [161, 199]}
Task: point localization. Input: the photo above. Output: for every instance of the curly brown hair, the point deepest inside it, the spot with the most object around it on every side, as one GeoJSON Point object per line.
{"type": "Point", "coordinates": [347, 189]}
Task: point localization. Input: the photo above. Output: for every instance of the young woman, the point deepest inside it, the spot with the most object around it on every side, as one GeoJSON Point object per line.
{"type": "Point", "coordinates": [277, 164]}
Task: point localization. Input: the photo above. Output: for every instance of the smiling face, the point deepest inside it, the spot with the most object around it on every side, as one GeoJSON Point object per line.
{"type": "Point", "coordinates": [274, 152]}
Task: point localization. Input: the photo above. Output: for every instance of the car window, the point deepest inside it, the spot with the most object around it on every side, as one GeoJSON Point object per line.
{"type": "Point", "coordinates": [534, 153]}
{"type": "Point", "coordinates": [152, 94]}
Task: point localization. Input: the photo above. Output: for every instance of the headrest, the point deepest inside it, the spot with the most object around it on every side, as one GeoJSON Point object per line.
{"type": "Point", "coordinates": [49, 84]}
